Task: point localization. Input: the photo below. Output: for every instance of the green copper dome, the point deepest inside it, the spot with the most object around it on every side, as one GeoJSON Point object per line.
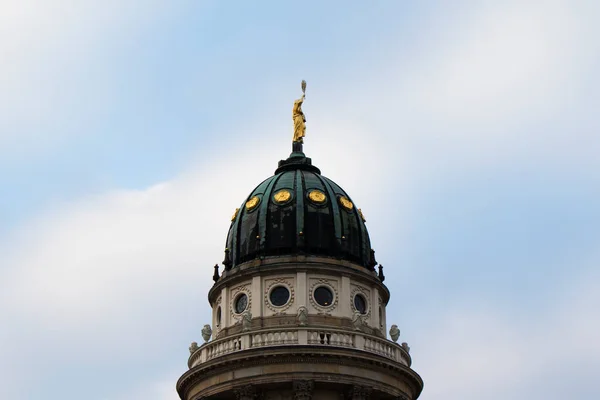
{"type": "Point", "coordinates": [298, 211]}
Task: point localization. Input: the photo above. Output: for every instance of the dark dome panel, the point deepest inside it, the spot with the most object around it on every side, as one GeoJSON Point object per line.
{"type": "Point", "coordinates": [298, 211]}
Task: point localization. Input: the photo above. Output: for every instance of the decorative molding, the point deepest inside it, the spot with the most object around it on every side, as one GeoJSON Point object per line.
{"type": "Point", "coordinates": [247, 392]}
{"type": "Point", "coordinates": [272, 283]}
{"type": "Point", "coordinates": [367, 296]}
{"type": "Point", "coordinates": [332, 285]}
{"type": "Point", "coordinates": [303, 390]}
{"type": "Point", "coordinates": [218, 324]}
{"type": "Point", "coordinates": [302, 316]}
{"type": "Point", "coordinates": [360, 392]}
{"type": "Point", "coordinates": [381, 311]}
{"type": "Point", "coordinates": [400, 372]}
{"type": "Point", "coordinates": [245, 288]}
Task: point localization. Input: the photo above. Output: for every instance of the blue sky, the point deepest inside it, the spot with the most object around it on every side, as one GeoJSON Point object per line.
{"type": "Point", "coordinates": [467, 133]}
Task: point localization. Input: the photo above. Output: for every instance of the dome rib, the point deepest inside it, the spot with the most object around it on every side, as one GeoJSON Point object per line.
{"type": "Point", "coordinates": [337, 223]}
{"type": "Point", "coordinates": [299, 185]}
{"type": "Point", "coordinates": [300, 225]}
{"type": "Point", "coordinates": [263, 208]}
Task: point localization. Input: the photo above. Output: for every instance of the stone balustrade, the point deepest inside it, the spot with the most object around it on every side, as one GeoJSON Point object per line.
{"type": "Point", "coordinates": [299, 336]}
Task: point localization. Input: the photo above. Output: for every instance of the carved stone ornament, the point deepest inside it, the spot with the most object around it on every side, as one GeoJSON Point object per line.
{"type": "Point", "coordinates": [234, 294]}
{"type": "Point", "coordinates": [406, 347]}
{"type": "Point", "coordinates": [303, 390]}
{"type": "Point", "coordinates": [193, 347]}
{"type": "Point", "coordinates": [206, 332]}
{"type": "Point", "coordinates": [247, 392]}
{"type": "Point", "coordinates": [332, 285]}
{"type": "Point", "coordinates": [367, 296]}
{"type": "Point", "coordinates": [288, 284]}
{"type": "Point", "coordinates": [246, 321]}
{"type": "Point", "coordinates": [394, 333]}
{"type": "Point", "coordinates": [302, 316]}
{"type": "Point", "coordinates": [360, 392]}
{"type": "Point", "coordinates": [358, 321]}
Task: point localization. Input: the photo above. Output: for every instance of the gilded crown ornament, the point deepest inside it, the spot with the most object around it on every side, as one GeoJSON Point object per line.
{"type": "Point", "coordinates": [316, 196]}
{"type": "Point", "coordinates": [282, 196]}
{"type": "Point", "coordinates": [252, 203]}
{"type": "Point", "coordinates": [347, 204]}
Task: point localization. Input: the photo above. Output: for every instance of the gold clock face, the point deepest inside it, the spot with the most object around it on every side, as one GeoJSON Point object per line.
{"type": "Point", "coordinates": [252, 203]}
{"type": "Point", "coordinates": [317, 196]}
{"type": "Point", "coordinates": [282, 196]}
{"type": "Point", "coordinates": [234, 216]}
{"type": "Point", "coordinates": [347, 204]}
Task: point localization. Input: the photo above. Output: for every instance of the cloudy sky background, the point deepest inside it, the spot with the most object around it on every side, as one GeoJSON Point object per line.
{"type": "Point", "coordinates": [468, 132]}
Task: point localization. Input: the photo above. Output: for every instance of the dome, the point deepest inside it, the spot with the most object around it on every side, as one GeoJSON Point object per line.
{"type": "Point", "coordinates": [297, 211]}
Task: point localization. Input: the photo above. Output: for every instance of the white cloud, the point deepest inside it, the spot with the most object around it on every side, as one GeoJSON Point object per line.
{"type": "Point", "coordinates": [110, 269]}
{"type": "Point", "coordinates": [488, 85]}
{"type": "Point", "coordinates": [476, 351]}
{"type": "Point", "coordinates": [57, 65]}
{"type": "Point", "coordinates": [122, 270]}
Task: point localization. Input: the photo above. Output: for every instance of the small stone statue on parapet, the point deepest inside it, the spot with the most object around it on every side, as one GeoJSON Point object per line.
{"type": "Point", "coordinates": [246, 321]}
{"type": "Point", "coordinates": [394, 333]}
{"type": "Point", "coordinates": [405, 347]}
{"type": "Point", "coordinates": [302, 316]}
{"type": "Point", "coordinates": [193, 347]}
{"type": "Point", "coordinates": [206, 332]}
{"type": "Point", "coordinates": [358, 321]}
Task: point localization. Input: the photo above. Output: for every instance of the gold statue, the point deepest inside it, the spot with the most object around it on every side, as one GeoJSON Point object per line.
{"type": "Point", "coordinates": [299, 118]}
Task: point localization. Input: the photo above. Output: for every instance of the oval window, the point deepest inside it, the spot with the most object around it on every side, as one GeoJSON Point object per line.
{"type": "Point", "coordinates": [279, 296]}
{"type": "Point", "coordinates": [323, 296]}
{"type": "Point", "coordinates": [241, 303]}
{"type": "Point", "coordinates": [218, 316]}
{"type": "Point", "coordinates": [360, 304]}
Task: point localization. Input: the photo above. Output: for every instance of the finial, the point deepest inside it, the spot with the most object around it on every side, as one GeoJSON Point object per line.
{"type": "Point", "coordinates": [193, 347]}
{"type": "Point", "coordinates": [216, 274]}
{"type": "Point", "coordinates": [299, 121]}
{"type": "Point", "coordinates": [227, 261]}
{"type": "Point", "coordinates": [372, 261]}
{"type": "Point", "coordinates": [206, 332]}
{"type": "Point", "coordinates": [394, 333]}
{"type": "Point", "coordinates": [381, 275]}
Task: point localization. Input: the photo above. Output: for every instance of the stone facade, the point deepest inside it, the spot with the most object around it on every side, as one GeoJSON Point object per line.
{"type": "Point", "coordinates": [279, 355]}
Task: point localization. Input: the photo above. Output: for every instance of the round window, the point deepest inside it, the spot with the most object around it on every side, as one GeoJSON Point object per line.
{"type": "Point", "coordinates": [360, 304]}
{"type": "Point", "coordinates": [241, 303]}
{"type": "Point", "coordinates": [219, 316]}
{"type": "Point", "coordinates": [279, 296]}
{"type": "Point", "coordinates": [323, 296]}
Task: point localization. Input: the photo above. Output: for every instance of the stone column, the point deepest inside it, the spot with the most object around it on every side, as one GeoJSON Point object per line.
{"type": "Point", "coordinates": [303, 390]}
{"type": "Point", "coordinates": [247, 392]}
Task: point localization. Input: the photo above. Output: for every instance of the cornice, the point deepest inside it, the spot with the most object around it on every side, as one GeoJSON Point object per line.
{"type": "Point", "coordinates": [292, 264]}
{"type": "Point", "coordinates": [297, 355]}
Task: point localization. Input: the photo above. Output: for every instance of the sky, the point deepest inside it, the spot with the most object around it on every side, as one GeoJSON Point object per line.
{"type": "Point", "coordinates": [467, 132]}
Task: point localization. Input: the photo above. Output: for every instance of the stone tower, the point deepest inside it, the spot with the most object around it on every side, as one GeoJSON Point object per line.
{"type": "Point", "coordinates": [299, 311]}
